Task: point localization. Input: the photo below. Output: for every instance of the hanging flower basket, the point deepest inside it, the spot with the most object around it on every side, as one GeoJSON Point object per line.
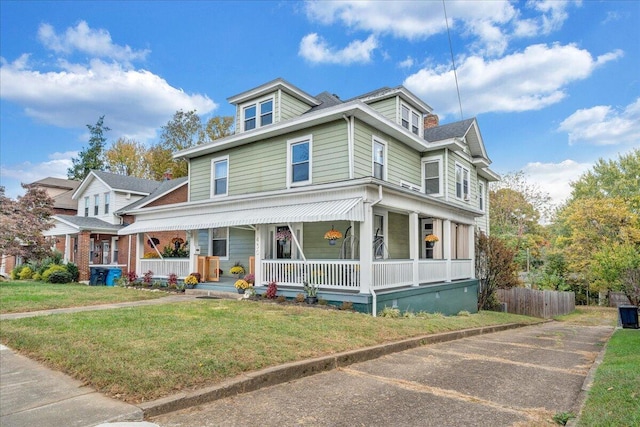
{"type": "Point", "coordinates": [332, 235]}
{"type": "Point", "coordinates": [283, 236]}
{"type": "Point", "coordinates": [431, 240]}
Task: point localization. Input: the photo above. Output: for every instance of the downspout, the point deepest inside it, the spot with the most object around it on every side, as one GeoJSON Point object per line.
{"type": "Point", "coordinates": [129, 255]}
{"type": "Point", "coordinates": [374, 297]}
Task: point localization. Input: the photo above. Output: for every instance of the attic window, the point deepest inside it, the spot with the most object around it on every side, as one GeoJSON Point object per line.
{"type": "Point", "coordinates": [257, 114]}
{"type": "Point", "coordinates": [410, 119]}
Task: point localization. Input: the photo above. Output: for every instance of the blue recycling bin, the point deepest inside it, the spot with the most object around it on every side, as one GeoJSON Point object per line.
{"type": "Point", "coordinates": [112, 275]}
{"type": "Point", "coordinates": [101, 276]}
{"type": "Point", "coordinates": [628, 316]}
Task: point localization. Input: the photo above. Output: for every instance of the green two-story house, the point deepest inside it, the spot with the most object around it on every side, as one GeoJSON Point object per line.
{"type": "Point", "coordinates": [377, 169]}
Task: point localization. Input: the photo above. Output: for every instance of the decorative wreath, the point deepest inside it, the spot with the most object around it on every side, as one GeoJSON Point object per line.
{"type": "Point", "coordinates": [153, 241]}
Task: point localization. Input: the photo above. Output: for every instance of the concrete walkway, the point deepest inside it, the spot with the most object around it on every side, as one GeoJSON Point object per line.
{"type": "Point", "coordinates": [498, 379]}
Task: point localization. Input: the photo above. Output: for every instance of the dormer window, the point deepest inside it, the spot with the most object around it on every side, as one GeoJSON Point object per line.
{"type": "Point", "coordinates": [410, 119]}
{"type": "Point", "coordinates": [257, 114]}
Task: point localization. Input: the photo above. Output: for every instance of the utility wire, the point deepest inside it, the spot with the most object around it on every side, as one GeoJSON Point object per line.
{"type": "Point", "coordinates": [455, 73]}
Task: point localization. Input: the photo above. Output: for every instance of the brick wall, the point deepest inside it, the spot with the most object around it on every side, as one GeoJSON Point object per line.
{"type": "Point", "coordinates": [82, 256]}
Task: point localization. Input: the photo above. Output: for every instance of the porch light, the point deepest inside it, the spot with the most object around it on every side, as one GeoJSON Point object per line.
{"type": "Point", "coordinates": [332, 235]}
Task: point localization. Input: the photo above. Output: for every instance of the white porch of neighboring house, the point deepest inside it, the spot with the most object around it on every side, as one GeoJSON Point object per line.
{"type": "Point", "coordinates": [361, 268]}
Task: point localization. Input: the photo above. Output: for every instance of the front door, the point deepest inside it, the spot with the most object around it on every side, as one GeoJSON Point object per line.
{"type": "Point", "coordinates": [106, 252]}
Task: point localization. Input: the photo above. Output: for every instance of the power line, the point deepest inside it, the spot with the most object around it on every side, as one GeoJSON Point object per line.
{"type": "Point", "coordinates": [455, 73]}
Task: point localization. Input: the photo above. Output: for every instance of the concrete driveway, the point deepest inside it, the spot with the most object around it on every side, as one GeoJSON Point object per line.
{"type": "Point", "coordinates": [519, 377]}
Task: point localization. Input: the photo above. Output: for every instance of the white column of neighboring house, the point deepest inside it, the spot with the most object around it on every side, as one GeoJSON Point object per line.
{"type": "Point", "coordinates": [193, 244]}
{"type": "Point", "coordinates": [260, 237]}
{"type": "Point", "coordinates": [472, 249]}
{"type": "Point", "coordinates": [67, 248]}
{"type": "Point", "coordinates": [414, 245]}
{"type": "Point", "coordinates": [366, 249]}
{"type": "Point", "coordinates": [139, 251]}
{"type": "Point", "coordinates": [446, 246]}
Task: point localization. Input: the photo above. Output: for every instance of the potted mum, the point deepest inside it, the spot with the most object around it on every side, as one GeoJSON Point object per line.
{"type": "Point", "coordinates": [332, 235]}
{"type": "Point", "coordinates": [242, 285]}
{"type": "Point", "coordinates": [190, 281]}
{"type": "Point", "coordinates": [237, 270]}
{"type": "Point", "coordinates": [431, 240]}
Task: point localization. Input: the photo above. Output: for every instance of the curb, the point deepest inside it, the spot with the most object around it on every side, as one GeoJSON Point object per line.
{"type": "Point", "coordinates": [291, 371]}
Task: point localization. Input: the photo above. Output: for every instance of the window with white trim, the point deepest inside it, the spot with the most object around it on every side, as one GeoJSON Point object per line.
{"type": "Point", "coordinates": [219, 176]}
{"type": "Point", "coordinates": [379, 244]}
{"type": "Point", "coordinates": [481, 195]}
{"type": "Point", "coordinates": [299, 161]}
{"type": "Point", "coordinates": [96, 204]}
{"type": "Point", "coordinates": [379, 159]}
{"type": "Point", "coordinates": [106, 203]}
{"type": "Point", "coordinates": [432, 170]}
{"type": "Point", "coordinates": [86, 206]}
{"type": "Point", "coordinates": [462, 182]}
{"type": "Point", "coordinates": [257, 114]}
{"type": "Point", "coordinates": [219, 242]}
{"type": "Point", "coordinates": [410, 119]}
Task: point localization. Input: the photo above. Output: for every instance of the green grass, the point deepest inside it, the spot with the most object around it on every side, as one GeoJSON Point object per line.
{"type": "Point", "coordinates": [614, 398]}
{"type": "Point", "coordinates": [591, 316]}
{"type": "Point", "coordinates": [143, 353]}
{"type": "Point", "coordinates": [21, 296]}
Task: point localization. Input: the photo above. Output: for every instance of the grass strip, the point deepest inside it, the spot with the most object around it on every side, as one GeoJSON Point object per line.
{"type": "Point", "coordinates": [23, 296]}
{"type": "Point", "coordinates": [614, 397]}
{"type": "Point", "coordinates": [143, 353]}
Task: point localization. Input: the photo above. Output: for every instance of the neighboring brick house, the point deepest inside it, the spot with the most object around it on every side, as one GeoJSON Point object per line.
{"type": "Point", "coordinates": [405, 193]}
{"type": "Point", "coordinates": [90, 237]}
{"type": "Point", "coordinates": [60, 190]}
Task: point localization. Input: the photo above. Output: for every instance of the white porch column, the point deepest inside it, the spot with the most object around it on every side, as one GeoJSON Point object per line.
{"type": "Point", "coordinates": [366, 249]}
{"type": "Point", "coordinates": [67, 250]}
{"type": "Point", "coordinates": [193, 245]}
{"type": "Point", "coordinates": [259, 238]}
{"type": "Point", "coordinates": [446, 246]}
{"type": "Point", "coordinates": [139, 252]}
{"type": "Point", "coordinates": [414, 245]}
{"type": "Point", "coordinates": [472, 249]}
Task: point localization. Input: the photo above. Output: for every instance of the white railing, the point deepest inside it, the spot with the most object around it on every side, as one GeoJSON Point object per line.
{"type": "Point", "coordinates": [333, 274]}
{"type": "Point", "coordinates": [164, 267]}
{"type": "Point", "coordinates": [389, 274]}
{"type": "Point", "coordinates": [432, 270]}
{"type": "Point", "coordinates": [461, 269]}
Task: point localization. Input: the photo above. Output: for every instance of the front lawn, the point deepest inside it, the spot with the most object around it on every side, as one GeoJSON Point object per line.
{"type": "Point", "coordinates": [21, 296]}
{"type": "Point", "coordinates": [143, 353]}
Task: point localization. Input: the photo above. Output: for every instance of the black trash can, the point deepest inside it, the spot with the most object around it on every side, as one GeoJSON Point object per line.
{"type": "Point", "coordinates": [628, 316]}
{"type": "Point", "coordinates": [93, 277]}
{"type": "Point", "coordinates": [101, 276]}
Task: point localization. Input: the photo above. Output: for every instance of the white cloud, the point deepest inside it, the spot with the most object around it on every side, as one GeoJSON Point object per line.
{"type": "Point", "coordinates": [82, 38]}
{"type": "Point", "coordinates": [315, 49]}
{"type": "Point", "coordinates": [26, 172]}
{"type": "Point", "coordinates": [523, 81]}
{"type": "Point", "coordinates": [407, 63]}
{"type": "Point", "coordinates": [555, 178]}
{"type": "Point", "coordinates": [135, 103]}
{"type": "Point", "coordinates": [604, 125]}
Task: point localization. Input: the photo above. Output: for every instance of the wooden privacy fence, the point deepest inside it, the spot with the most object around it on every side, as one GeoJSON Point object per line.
{"type": "Point", "coordinates": [530, 302]}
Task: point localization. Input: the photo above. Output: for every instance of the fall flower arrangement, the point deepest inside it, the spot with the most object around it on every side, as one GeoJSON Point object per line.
{"type": "Point", "coordinates": [242, 284]}
{"type": "Point", "coordinates": [237, 269]}
{"type": "Point", "coordinates": [191, 280]}
{"type": "Point", "coordinates": [431, 238]}
{"type": "Point", "coordinates": [283, 235]}
{"type": "Point", "coordinates": [333, 234]}
{"type": "Point", "coordinates": [250, 278]}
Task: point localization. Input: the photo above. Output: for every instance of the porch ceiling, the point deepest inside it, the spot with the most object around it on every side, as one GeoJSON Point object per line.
{"type": "Point", "coordinates": [333, 210]}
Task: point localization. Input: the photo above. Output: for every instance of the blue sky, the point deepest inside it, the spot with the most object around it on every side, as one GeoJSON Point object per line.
{"type": "Point", "coordinates": [555, 85]}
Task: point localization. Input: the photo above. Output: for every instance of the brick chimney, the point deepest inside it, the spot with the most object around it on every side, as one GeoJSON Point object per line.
{"type": "Point", "coordinates": [431, 121]}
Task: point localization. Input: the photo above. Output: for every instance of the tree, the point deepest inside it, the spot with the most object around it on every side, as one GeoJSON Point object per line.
{"type": "Point", "coordinates": [537, 199]}
{"type": "Point", "coordinates": [91, 158]}
{"type": "Point", "coordinates": [128, 157]}
{"type": "Point", "coordinates": [495, 269]}
{"type": "Point", "coordinates": [611, 178]}
{"type": "Point", "coordinates": [218, 127]}
{"type": "Point", "coordinates": [22, 222]}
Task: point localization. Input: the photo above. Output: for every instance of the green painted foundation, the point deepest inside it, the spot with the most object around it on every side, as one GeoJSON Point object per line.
{"type": "Point", "coordinates": [446, 298]}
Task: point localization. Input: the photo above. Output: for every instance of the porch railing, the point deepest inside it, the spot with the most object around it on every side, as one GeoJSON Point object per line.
{"type": "Point", "coordinates": [333, 274]}
{"type": "Point", "coordinates": [387, 274]}
{"type": "Point", "coordinates": [164, 267]}
{"type": "Point", "coordinates": [461, 269]}
{"type": "Point", "coordinates": [432, 270]}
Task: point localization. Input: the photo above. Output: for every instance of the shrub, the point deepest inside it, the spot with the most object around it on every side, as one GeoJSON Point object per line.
{"type": "Point", "coordinates": [148, 276]}
{"type": "Point", "coordinates": [26, 273]}
{"type": "Point", "coordinates": [59, 276]}
{"type": "Point", "coordinates": [346, 305]}
{"type": "Point", "coordinates": [272, 290]}
{"type": "Point", "coordinates": [15, 273]}
{"type": "Point", "coordinates": [121, 281]}
{"type": "Point", "coordinates": [173, 281]}
{"type": "Point", "coordinates": [132, 277]}
{"type": "Point", "coordinates": [51, 269]}
{"type": "Point", "coordinates": [464, 313]}
{"type": "Point", "coordinates": [36, 276]}
{"type": "Point", "coordinates": [391, 312]}
{"type": "Point", "coordinates": [73, 271]}
{"type": "Point", "coordinates": [281, 298]}
{"type": "Point", "coordinates": [300, 298]}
